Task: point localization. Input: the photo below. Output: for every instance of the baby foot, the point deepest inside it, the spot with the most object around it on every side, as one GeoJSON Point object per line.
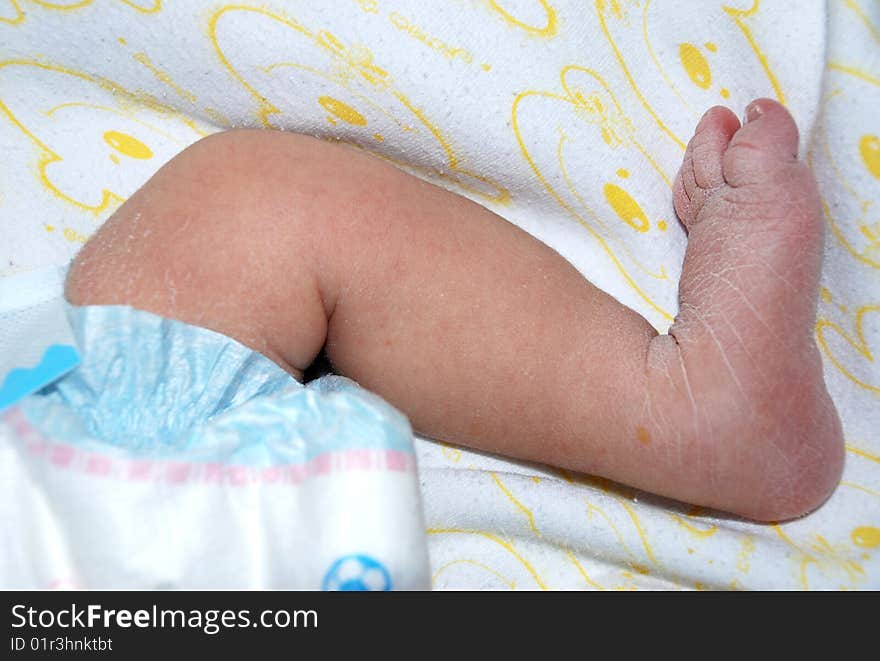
{"type": "Point", "coordinates": [768, 439]}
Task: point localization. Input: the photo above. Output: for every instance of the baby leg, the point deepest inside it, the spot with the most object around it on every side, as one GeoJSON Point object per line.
{"type": "Point", "coordinates": [481, 334]}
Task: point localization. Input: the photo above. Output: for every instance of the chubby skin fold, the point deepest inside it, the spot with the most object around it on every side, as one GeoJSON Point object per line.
{"type": "Point", "coordinates": [486, 337]}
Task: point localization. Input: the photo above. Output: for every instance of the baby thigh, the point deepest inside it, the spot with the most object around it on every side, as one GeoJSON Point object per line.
{"type": "Point", "coordinates": [218, 238]}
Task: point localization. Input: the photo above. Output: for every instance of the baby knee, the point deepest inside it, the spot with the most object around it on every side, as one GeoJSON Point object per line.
{"type": "Point", "coordinates": [216, 238]}
{"type": "Point", "coordinates": [285, 185]}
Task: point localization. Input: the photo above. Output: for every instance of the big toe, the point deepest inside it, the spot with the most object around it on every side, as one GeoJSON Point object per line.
{"type": "Point", "coordinates": [766, 144]}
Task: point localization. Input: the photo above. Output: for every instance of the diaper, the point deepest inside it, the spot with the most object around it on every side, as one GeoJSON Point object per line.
{"type": "Point", "coordinates": [173, 456]}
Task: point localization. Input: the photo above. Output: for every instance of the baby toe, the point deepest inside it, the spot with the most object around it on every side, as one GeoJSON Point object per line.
{"type": "Point", "coordinates": [701, 173]}
{"type": "Point", "coordinates": [766, 143]}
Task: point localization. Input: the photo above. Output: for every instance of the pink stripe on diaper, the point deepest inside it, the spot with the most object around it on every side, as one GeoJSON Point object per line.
{"type": "Point", "coordinates": [238, 475]}
{"type": "Point", "coordinates": [139, 470]}
{"type": "Point", "coordinates": [24, 431]}
{"type": "Point", "coordinates": [322, 464]}
{"type": "Point", "coordinates": [398, 461]}
{"type": "Point", "coordinates": [98, 464]}
{"type": "Point", "coordinates": [213, 473]}
{"type": "Point", "coordinates": [62, 455]}
{"type": "Point", "coordinates": [70, 457]}
{"type": "Point", "coordinates": [271, 475]}
{"type": "Point", "coordinates": [358, 459]}
{"type": "Point", "coordinates": [295, 473]}
{"type": "Point", "coordinates": [177, 473]}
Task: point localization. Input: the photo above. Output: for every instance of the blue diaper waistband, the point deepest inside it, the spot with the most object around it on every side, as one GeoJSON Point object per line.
{"type": "Point", "coordinates": [165, 389]}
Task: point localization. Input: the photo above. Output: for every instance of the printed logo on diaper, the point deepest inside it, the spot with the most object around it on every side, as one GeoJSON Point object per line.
{"type": "Point", "coordinates": [57, 360]}
{"type": "Point", "coordinates": [357, 573]}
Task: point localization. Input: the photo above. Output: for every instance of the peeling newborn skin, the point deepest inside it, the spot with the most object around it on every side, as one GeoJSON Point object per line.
{"type": "Point", "coordinates": [748, 363]}
{"type": "Point", "coordinates": [486, 337]}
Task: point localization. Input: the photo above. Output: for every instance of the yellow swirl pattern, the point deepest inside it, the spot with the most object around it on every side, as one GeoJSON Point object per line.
{"type": "Point", "coordinates": [568, 118]}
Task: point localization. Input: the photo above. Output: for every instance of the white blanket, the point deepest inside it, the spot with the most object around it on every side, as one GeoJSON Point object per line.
{"type": "Point", "coordinates": [569, 118]}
